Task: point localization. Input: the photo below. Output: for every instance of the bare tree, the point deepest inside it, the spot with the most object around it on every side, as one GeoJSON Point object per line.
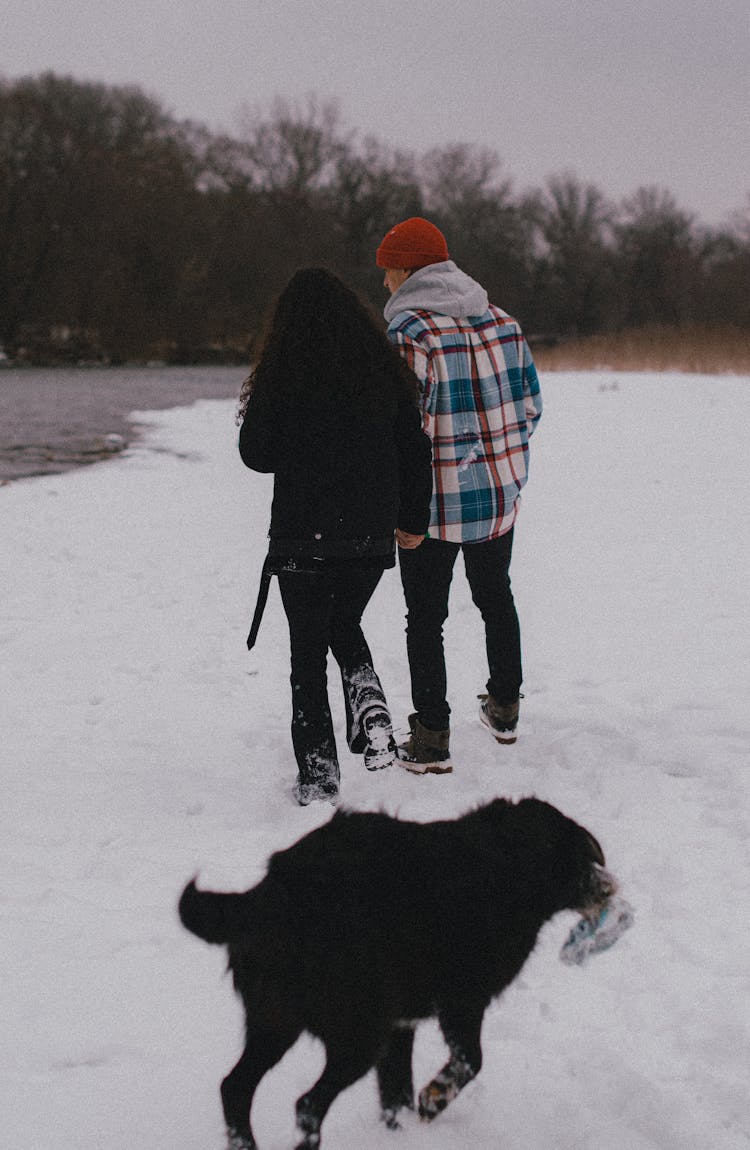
{"type": "Point", "coordinates": [373, 188]}
{"type": "Point", "coordinates": [657, 259]}
{"type": "Point", "coordinates": [725, 266]}
{"type": "Point", "coordinates": [574, 221]}
{"type": "Point", "coordinates": [137, 234]}
{"type": "Point", "coordinates": [96, 191]}
{"type": "Point", "coordinates": [294, 149]}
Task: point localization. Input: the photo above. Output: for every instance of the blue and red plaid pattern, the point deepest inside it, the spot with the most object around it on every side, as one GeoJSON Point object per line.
{"type": "Point", "coordinates": [480, 402]}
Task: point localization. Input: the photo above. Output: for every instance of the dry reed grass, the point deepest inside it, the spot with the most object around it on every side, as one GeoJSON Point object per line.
{"type": "Point", "coordinates": [704, 350]}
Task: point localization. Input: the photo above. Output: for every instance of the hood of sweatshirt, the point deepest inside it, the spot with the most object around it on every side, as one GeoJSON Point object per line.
{"type": "Point", "coordinates": [442, 288]}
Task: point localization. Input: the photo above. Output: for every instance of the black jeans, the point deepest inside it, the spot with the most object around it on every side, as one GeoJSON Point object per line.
{"type": "Point", "coordinates": [426, 574]}
{"type": "Point", "coordinates": [324, 609]}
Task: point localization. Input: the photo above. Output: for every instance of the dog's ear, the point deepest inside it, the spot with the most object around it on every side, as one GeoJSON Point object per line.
{"type": "Point", "coordinates": [597, 853]}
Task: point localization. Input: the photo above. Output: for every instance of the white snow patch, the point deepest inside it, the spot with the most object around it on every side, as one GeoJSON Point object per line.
{"type": "Point", "coordinates": [141, 744]}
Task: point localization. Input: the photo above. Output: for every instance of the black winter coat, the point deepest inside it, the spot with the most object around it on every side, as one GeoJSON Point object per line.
{"type": "Point", "coordinates": [344, 478]}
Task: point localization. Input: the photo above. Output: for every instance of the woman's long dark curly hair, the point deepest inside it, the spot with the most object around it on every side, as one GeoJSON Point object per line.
{"type": "Point", "coordinates": [323, 343]}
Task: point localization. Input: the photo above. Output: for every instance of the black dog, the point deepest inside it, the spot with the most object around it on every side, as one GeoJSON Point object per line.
{"type": "Point", "coordinates": [369, 924]}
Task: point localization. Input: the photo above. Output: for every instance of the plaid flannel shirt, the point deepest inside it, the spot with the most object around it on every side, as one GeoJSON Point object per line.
{"type": "Point", "coordinates": [480, 402]}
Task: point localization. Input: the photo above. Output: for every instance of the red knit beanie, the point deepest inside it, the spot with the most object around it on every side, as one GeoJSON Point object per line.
{"type": "Point", "coordinates": [415, 243]}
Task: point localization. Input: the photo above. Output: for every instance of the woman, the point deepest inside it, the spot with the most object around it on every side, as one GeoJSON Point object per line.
{"type": "Point", "coordinates": [330, 409]}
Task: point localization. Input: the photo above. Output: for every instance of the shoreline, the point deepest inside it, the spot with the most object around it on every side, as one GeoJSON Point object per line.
{"type": "Point", "coordinates": [54, 420]}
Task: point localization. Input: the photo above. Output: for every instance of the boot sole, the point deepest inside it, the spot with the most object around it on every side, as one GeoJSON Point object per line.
{"type": "Point", "coordinates": [443, 768]}
{"type": "Point", "coordinates": [381, 764]}
{"type": "Point", "coordinates": [506, 738]}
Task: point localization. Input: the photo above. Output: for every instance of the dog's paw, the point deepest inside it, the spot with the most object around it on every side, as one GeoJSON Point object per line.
{"type": "Point", "coordinates": [435, 1097]}
{"type": "Point", "coordinates": [308, 1124]}
{"type": "Point", "coordinates": [237, 1141]}
{"type": "Point", "coordinates": [391, 1115]}
{"type": "Point", "coordinates": [390, 1118]}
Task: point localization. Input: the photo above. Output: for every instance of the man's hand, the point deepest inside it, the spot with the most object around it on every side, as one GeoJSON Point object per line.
{"type": "Point", "coordinates": [407, 541]}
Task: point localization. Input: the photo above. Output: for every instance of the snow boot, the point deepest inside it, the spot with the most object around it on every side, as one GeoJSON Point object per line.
{"type": "Point", "coordinates": [380, 746]}
{"type": "Point", "coordinates": [425, 752]}
{"type": "Point", "coordinates": [317, 778]}
{"type": "Point", "coordinates": [501, 718]}
{"type": "Point", "coordinates": [326, 790]}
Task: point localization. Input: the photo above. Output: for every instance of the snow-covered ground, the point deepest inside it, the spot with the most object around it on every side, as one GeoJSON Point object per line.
{"type": "Point", "coordinates": [140, 743]}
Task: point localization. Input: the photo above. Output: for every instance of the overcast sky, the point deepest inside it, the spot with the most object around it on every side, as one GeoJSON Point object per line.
{"type": "Point", "coordinates": [624, 94]}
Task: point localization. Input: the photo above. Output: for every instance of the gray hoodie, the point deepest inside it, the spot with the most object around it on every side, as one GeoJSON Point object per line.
{"type": "Point", "coordinates": [441, 288]}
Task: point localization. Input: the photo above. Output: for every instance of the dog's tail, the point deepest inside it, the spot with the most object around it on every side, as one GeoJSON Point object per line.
{"type": "Point", "coordinates": [218, 918]}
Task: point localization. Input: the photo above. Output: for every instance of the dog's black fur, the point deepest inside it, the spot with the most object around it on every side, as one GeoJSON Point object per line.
{"type": "Point", "coordinates": [368, 924]}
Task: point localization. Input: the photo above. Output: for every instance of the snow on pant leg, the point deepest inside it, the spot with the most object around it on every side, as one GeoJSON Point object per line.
{"type": "Point", "coordinates": [426, 574]}
{"type": "Point", "coordinates": [355, 585]}
{"type": "Point", "coordinates": [308, 601]}
{"type": "Point", "coordinates": [487, 566]}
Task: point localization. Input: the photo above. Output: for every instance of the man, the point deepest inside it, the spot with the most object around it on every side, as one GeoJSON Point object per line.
{"type": "Point", "coordinates": [480, 402]}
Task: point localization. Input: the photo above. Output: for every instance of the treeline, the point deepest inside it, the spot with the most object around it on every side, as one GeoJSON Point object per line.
{"type": "Point", "coordinates": [127, 234]}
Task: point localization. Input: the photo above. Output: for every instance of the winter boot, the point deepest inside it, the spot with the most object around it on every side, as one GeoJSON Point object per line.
{"type": "Point", "coordinates": [425, 751]}
{"type": "Point", "coordinates": [326, 790]}
{"type": "Point", "coordinates": [501, 718]}
{"type": "Point", "coordinates": [380, 746]}
{"type": "Point", "coordinates": [317, 778]}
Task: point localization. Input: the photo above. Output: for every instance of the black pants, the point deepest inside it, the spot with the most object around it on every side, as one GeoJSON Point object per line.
{"type": "Point", "coordinates": [324, 609]}
{"type": "Point", "coordinates": [426, 574]}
